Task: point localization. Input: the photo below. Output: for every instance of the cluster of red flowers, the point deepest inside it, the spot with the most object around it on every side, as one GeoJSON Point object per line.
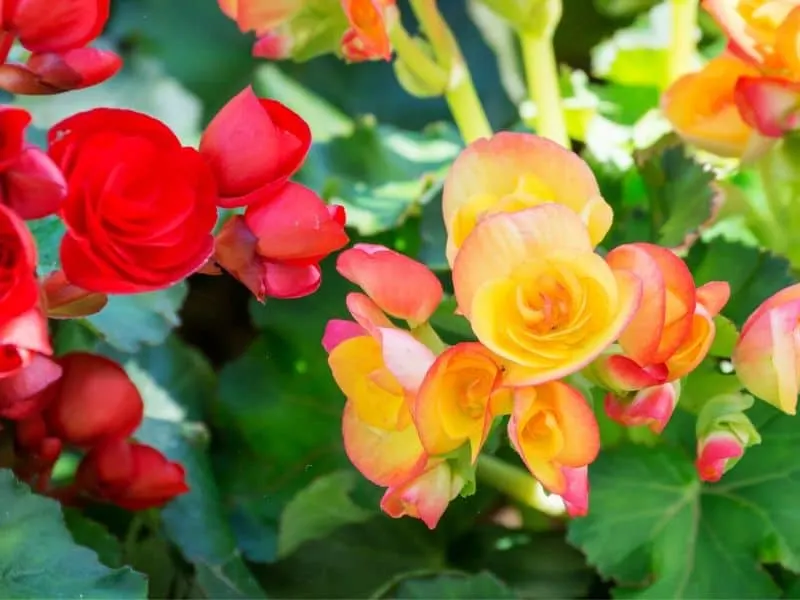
{"type": "Point", "coordinates": [139, 211]}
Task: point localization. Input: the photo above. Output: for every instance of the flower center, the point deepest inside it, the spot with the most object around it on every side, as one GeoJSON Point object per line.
{"type": "Point", "coordinates": [542, 435]}
{"type": "Point", "coordinates": [545, 306]}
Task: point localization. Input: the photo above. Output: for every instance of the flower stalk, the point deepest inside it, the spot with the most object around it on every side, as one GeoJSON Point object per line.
{"type": "Point", "coordinates": [682, 38]}
{"type": "Point", "coordinates": [517, 484]}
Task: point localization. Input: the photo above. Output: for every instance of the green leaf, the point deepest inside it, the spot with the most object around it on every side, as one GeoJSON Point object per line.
{"type": "Point", "coordinates": [129, 321]}
{"type": "Point", "coordinates": [47, 233]}
{"type": "Point", "coordinates": [141, 86]}
{"type": "Point", "coordinates": [196, 521]}
{"type": "Point", "coordinates": [39, 559]}
{"type": "Point", "coordinates": [680, 190]}
{"type": "Point", "coordinates": [460, 586]}
{"type": "Point", "coordinates": [319, 509]}
{"type": "Point", "coordinates": [725, 337]}
{"type": "Point", "coordinates": [92, 534]}
{"type": "Point", "coordinates": [382, 175]}
{"type": "Point", "coordinates": [653, 525]}
{"type": "Point", "coordinates": [753, 275]}
{"type": "Point", "coordinates": [355, 561]}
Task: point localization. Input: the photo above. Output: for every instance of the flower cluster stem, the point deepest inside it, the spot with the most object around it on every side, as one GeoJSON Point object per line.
{"type": "Point", "coordinates": [514, 482]}
{"type": "Point", "coordinates": [541, 73]}
{"type": "Point", "coordinates": [682, 38]}
{"type": "Point", "coordinates": [460, 93]}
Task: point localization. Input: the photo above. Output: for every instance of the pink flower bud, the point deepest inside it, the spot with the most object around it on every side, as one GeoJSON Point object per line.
{"type": "Point", "coordinates": [651, 406]}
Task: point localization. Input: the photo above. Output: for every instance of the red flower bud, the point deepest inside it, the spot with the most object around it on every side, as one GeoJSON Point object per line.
{"type": "Point", "coordinates": [716, 453]}
{"type": "Point", "coordinates": [253, 146]}
{"type": "Point", "coordinates": [57, 72]}
{"type": "Point", "coordinates": [27, 390]}
{"type": "Point", "coordinates": [94, 400]}
{"type": "Point", "coordinates": [651, 406]}
{"type": "Point", "coordinates": [13, 122]}
{"type": "Point", "coordinates": [275, 248]}
{"type": "Point", "coordinates": [131, 475]}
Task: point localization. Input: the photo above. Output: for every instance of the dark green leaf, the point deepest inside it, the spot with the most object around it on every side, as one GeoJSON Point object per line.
{"type": "Point", "coordinates": [39, 559]}
{"type": "Point", "coordinates": [355, 561]}
{"type": "Point", "coordinates": [93, 535]}
{"type": "Point", "coordinates": [382, 175]}
{"type": "Point", "coordinates": [48, 233]}
{"type": "Point", "coordinates": [459, 586]}
{"type": "Point", "coordinates": [680, 190]}
{"type": "Point", "coordinates": [752, 274]}
{"type": "Point", "coordinates": [653, 525]}
{"type": "Point", "coordinates": [452, 327]}
{"type": "Point", "coordinates": [129, 321]}
{"type": "Point", "coordinates": [318, 510]}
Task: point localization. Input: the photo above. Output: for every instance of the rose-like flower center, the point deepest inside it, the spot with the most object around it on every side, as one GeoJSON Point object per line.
{"type": "Point", "coordinates": [475, 393]}
{"type": "Point", "coordinates": [545, 306]}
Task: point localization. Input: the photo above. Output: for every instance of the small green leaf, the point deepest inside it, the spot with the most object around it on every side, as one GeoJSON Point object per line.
{"type": "Point", "coordinates": [319, 509]}
{"type": "Point", "coordinates": [680, 190]}
{"type": "Point", "coordinates": [660, 533]}
{"type": "Point", "coordinates": [47, 233]}
{"type": "Point", "coordinates": [725, 337]}
{"type": "Point", "coordinates": [129, 321]}
{"type": "Point", "coordinates": [459, 586]}
{"type": "Point", "coordinates": [39, 559]}
{"type": "Point", "coordinates": [382, 175]}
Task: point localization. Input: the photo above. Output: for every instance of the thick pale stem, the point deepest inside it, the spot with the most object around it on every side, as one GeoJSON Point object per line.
{"type": "Point", "coordinates": [541, 72]}
{"type": "Point", "coordinates": [682, 38]}
{"type": "Point", "coordinates": [461, 96]}
{"type": "Point", "coordinates": [516, 483]}
{"type": "Point", "coordinates": [427, 335]}
{"type": "Point", "coordinates": [410, 52]}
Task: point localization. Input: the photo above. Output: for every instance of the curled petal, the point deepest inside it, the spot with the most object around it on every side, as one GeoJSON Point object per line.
{"type": "Point", "coordinates": [714, 295]}
{"type": "Point", "coordinates": [576, 494]}
{"type": "Point", "coordinates": [552, 427]}
{"type": "Point", "coordinates": [366, 313]}
{"type": "Point", "coordinates": [399, 285]}
{"type": "Point", "coordinates": [664, 317]}
{"type": "Point", "coordinates": [33, 185]}
{"type": "Point", "coordinates": [384, 457]}
{"type": "Point", "coordinates": [454, 404]}
{"type": "Point", "coordinates": [702, 108]}
{"type": "Point", "coordinates": [54, 73]}
{"type": "Point", "coordinates": [338, 331]}
{"type": "Point", "coordinates": [67, 301]}
{"type": "Point", "coordinates": [405, 357]}
{"type": "Point", "coordinates": [13, 122]}
{"type": "Point", "coordinates": [253, 146]}
{"type": "Point", "coordinates": [770, 105]}
{"type": "Point", "coordinates": [619, 374]}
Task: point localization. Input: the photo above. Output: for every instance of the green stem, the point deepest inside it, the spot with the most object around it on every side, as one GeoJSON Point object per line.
{"type": "Point", "coordinates": [407, 49]}
{"type": "Point", "coordinates": [541, 72]}
{"type": "Point", "coordinates": [682, 40]}
{"type": "Point", "coordinates": [516, 483]}
{"type": "Point", "coordinates": [463, 100]}
{"type": "Point", "coordinates": [426, 334]}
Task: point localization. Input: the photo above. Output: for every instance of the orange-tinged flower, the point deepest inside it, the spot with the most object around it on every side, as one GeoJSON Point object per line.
{"type": "Point", "coordinates": [537, 295]}
{"type": "Point", "coordinates": [711, 298]}
{"type": "Point", "coordinates": [763, 32]}
{"type": "Point", "coordinates": [702, 108]}
{"type": "Point", "coordinates": [399, 285]}
{"type": "Point", "coordinates": [424, 496]}
{"type": "Point", "coordinates": [767, 354]}
{"type": "Point", "coordinates": [459, 398]}
{"type": "Point", "coordinates": [555, 432]}
{"type": "Point", "coordinates": [259, 15]}
{"type": "Point", "coordinates": [514, 171]}
{"type": "Point", "coordinates": [652, 406]}
{"type": "Point", "coordinates": [664, 317]}
{"type": "Point", "coordinates": [368, 37]}
{"type": "Point", "coordinates": [379, 376]}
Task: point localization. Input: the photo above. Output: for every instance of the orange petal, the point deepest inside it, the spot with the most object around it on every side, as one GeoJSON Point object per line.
{"type": "Point", "coordinates": [384, 457]}
{"type": "Point", "coordinates": [714, 295]}
{"type": "Point", "coordinates": [695, 347]}
{"type": "Point", "coordinates": [664, 317]}
{"type": "Point", "coordinates": [453, 405]}
{"type": "Point", "coordinates": [399, 285]}
{"type": "Point", "coordinates": [702, 109]}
